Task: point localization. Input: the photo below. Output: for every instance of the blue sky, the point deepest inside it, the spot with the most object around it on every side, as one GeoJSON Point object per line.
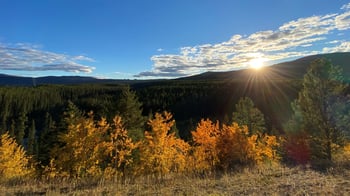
{"type": "Point", "coordinates": [139, 39]}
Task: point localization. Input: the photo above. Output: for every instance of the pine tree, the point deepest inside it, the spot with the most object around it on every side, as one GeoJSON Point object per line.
{"type": "Point", "coordinates": [247, 114]}
{"type": "Point", "coordinates": [130, 109]}
{"type": "Point", "coordinates": [71, 115]}
{"type": "Point", "coordinates": [323, 88]}
{"type": "Point", "coordinates": [12, 128]}
{"type": "Point", "coordinates": [20, 127]}
{"type": "Point", "coordinates": [46, 140]}
{"type": "Point", "coordinates": [31, 139]}
{"type": "Point", "coordinates": [3, 126]}
{"type": "Point", "coordinates": [296, 145]}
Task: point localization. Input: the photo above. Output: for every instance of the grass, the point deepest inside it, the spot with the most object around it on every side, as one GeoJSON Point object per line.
{"type": "Point", "coordinates": [258, 181]}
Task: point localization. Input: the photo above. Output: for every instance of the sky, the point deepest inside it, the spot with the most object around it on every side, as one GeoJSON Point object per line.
{"type": "Point", "coordinates": [139, 39]}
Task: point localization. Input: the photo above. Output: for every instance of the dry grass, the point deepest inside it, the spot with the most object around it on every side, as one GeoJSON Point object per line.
{"type": "Point", "coordinates": [262, 181]}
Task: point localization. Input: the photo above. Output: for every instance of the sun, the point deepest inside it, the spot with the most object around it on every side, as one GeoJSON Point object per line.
{"type": "Point", "coordinates": [257, 63]}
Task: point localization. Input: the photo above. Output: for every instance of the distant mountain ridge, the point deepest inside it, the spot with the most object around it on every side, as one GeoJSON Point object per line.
{"type": "Point", "coordinates": [29, 81]}
{"type": "Point", "coordinates": [292, 69]}
{"type": "Point", "coordinates": [8, 80]}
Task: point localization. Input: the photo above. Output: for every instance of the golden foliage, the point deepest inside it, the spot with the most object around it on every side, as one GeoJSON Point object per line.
{"type": "Point", "coordinates": [50, 171]}
{"type": "Point", "coordinates": [14, 162]}
{"type": "Point", "coordinates": [205, 155]}
{"type": "Point", "coordinates": [347, 151]}
{"type": "Point", "coordinates": [92, 149]}
{"type": "Point", "coordinates": [343, 155]}
{"type": "Point", "coordinates": [161, 152]}
{"type": "Point", "coordinates": [119, 147]}
{"type": "Point", "coordinates": [83, 148]}
{"type": "Point", "coordinates": [264, 148]}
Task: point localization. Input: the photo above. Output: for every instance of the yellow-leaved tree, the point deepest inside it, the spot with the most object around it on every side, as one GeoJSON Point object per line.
{"type": "Point", "coordinates": [161, 152]}
{"type": "Point", "coordinates": [83, 149]}
{"type": "Point", "coordinates": [263, 148]}
{"type": "Point", "coordinates": [120, 148]}
{"type": "Point", "coordinates": [205, 154]}
{"type": "Point", "coordinates": [14, 163]}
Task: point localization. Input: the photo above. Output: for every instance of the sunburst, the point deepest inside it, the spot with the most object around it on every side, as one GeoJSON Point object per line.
{"type": "Point", "coordinates": [257, 63]}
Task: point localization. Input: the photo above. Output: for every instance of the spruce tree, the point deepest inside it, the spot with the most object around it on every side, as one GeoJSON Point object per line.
{"type": "Point", "coordinates": [12, 128]}
{"type": "Point", "coordinates": [31, 139]}
{"type": "Point", "coordinates": [20, 127]}
{"type": "Point", "coordinates": [130, 109]}
{"type": "Point", "coordinates": [247, 114]}
{"type": "Point", "coordinates": [47, 139]}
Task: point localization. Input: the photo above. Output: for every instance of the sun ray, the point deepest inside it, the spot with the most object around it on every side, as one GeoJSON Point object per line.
{"type": "Point", "coordinates": [267, 88]}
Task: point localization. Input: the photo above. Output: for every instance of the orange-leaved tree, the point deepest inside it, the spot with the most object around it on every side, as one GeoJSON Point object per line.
{"type": "Point", "coordinates": [233, 146]}
{"type": "Point", "coordinates": [160, 151]}
{"type": "Point", "coordinates": [205, 155]}
{"type": "Point", "coordinates": [14, 163]}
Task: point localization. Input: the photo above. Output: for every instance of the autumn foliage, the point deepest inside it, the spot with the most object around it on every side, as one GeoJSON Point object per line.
{"type": "Point", "coordinates": [96, 148]}
{"type": "Point", "coordinates": [205, 139]}
{"type": "Point", "coordinates": [229, 146]}
{"type": "Point", "coordinates": [92, 148]}
{"type": "Point", "coordinates": [119, 147]}
{"type": "Point", "coordinates": [161, 152]}
{"type": "Point", "coordinates": [14, 163]}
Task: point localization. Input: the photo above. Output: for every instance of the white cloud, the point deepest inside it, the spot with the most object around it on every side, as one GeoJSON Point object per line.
{"type": "Point", "coordinates": [343, 47]}
{"type": "Point", "coordinates": [346, 6]}
{"type": "Point", "coordinates": [343, 21]}
{"type": "Point", "coordinates": [26, 57]}
{"type": "Point", "coordinates": [82, 58]}
{"type": "Point", "coordinates": [334, 42]}
{"type": "Point", "coordinates": [291, 39]}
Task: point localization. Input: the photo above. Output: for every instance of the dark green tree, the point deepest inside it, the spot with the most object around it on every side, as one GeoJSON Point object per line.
{"type": "Point", "coordinates": [3, 127]}
{"type": "Point", "coordinates": [130, 109]}
{"type": "Point", "coordinates": [31, 139]}
{"type": "Point", "coordinates": [47, 138]}
{"type": "Point", "coordinates": [12, 128]}
{"type": "Point", "coordinates": [71, 115]}
{"type": "Point", "coordinates": [247, 114]}
{"type": "Point", "coordinates": [294, 124]}
{"type": "Point", "coordinates": [321, 95]}
{"type": "Point", "coordinates": [21, 127]}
